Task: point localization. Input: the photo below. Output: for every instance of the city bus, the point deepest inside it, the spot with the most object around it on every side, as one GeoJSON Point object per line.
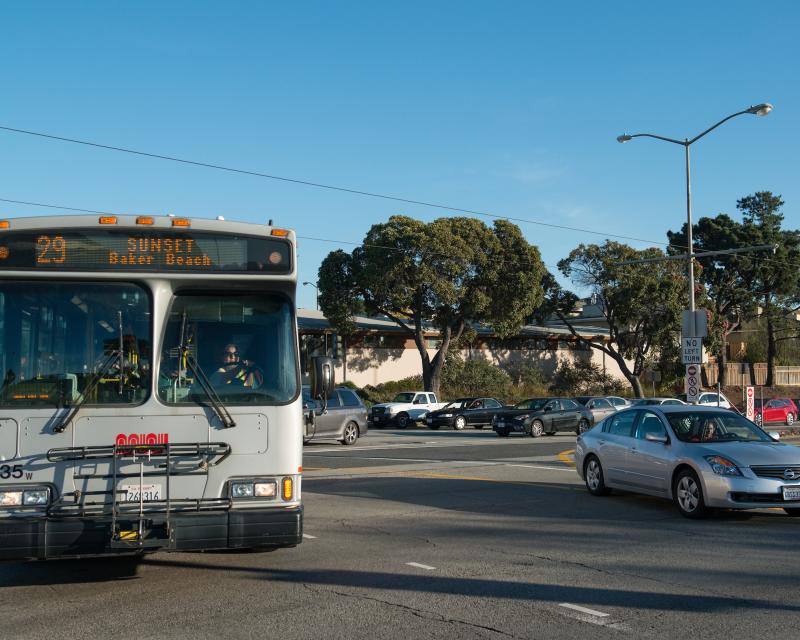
{"type": "Point", "coordinates": [151, 392]}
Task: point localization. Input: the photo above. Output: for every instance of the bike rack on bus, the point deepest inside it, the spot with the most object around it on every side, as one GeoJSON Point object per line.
{"type": "Point", "coordinates": [146, 523]}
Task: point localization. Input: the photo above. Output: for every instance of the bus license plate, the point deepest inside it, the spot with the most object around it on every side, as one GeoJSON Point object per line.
{"type": "Point", "coordinates": [791, 493]}
{"type": "Point", "coordinates": [131, 492]}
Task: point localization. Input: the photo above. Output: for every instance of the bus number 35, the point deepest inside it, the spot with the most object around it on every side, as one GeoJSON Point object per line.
{"type": "Point", "coordinates": [7, 471]}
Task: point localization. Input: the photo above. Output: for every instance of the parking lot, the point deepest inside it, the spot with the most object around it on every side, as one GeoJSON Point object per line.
{"type": "Point", "coordinates": [443, 534]}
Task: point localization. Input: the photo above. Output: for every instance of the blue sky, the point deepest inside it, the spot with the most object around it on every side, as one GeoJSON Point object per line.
{"type": "Point", "coordinates": [505, 107]}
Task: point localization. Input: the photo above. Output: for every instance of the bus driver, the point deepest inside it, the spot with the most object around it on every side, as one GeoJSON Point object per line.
{"type": "Point", "coordinates": [235, 371]}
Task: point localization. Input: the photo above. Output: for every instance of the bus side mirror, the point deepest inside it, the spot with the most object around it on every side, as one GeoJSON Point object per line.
{"type": "Point", "coordinates": [323, 378]}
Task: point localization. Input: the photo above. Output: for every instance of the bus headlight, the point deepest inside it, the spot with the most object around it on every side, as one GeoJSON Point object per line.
{"type": "Point", "coordinates": [35, 497]}
{"type": "Point", "coordinates": [265, 489]}
{"type": "Point", "coordinates": [10, 498]}
{"type": "Point", "coordinates": [242, 489]}
{"type": "Point", "coordinates": [25, 498]}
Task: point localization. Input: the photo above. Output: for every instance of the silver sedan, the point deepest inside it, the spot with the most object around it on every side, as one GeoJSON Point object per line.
{"type": "Point", "coordinates": [699, 457]}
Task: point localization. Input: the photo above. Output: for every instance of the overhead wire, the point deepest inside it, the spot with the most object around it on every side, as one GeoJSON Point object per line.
{"type": "Point", "coordinates": [319, 185]}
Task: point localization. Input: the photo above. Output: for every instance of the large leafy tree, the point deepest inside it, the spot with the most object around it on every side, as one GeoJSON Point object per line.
{"type": "Point", "coordinates": [640, 302]}
{"type": "Point", "coordinates": [444, 275]}
{"type": "Point", "coordinates": [725, 278]}
{"type": "Point", "coordinates": [775, 278]}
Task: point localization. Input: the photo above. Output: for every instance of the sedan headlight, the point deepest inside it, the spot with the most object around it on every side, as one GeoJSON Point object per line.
{"type": "Point", "coordinates": [446, 415]}
{"type": "Point", "coordinates": [524, 416]}
{"type": "Point", "coordinates": [722, 466]}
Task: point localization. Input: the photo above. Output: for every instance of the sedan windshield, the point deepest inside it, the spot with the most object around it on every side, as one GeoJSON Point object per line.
{"type": "Point", "coordinates": [535, 404]}
{"type": "Point", "coordinates": [722, 426]}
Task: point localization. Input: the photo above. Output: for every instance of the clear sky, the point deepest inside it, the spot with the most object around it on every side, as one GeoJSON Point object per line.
{"type": "Point", "coordinates": [504, 107]}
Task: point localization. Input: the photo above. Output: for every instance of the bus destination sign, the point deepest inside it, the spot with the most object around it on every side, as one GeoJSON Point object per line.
{"type": "Point", "coordinates": [148, 250]}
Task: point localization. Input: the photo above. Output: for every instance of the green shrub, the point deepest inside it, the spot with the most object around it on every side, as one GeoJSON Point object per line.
{"type": "Point", "coordinates": [584, 378]}
{"type": "Point", "coordinates": [476, 378]}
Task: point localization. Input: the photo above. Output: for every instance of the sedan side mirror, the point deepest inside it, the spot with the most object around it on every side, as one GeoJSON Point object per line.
{"type": "Point", "coordinates": [656, 437]}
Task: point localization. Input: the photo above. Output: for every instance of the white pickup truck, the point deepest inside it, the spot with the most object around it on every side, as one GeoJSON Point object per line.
{"type": "Point", "coordinates": [407, 407]}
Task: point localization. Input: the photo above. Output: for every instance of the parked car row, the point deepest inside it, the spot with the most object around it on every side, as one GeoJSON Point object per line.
{"type": "Point", "coordinates": [345, 417]}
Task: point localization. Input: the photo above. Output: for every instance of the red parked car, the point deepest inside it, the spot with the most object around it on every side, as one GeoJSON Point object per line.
{"type": "Point", "coordinates": [782, 410]}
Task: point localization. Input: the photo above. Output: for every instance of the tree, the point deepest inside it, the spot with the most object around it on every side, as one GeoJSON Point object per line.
{"type": "Point", "coordinates": [774, 278]}
{"type": "Point", "coordinates": [725, 278]}
{"type": "Point", "coordinates": [444, 275]}
{"type": "Point", "coordinates": [641, 303]}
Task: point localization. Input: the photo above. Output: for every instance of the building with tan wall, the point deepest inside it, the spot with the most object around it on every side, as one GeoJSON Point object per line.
{"type": "Point", "coordinates": [380, 351]}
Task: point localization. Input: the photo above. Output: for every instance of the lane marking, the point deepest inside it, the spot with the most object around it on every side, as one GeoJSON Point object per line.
{"type": "Point", "coordinates": [426, 445]}
{"type": "Point", "coordinates": [536, 466]}
{"type": "Point", "coordinates": [421, 566]}
{"type": "Point", "coordinates": [564, 456]}
{"type": "Point", "coordinates": [309, 536]}
{"type": "Point", "coordinates": [591, 612]}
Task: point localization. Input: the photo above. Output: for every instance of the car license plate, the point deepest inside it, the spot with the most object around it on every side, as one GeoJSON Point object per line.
{"type": "Point", "coordinates": [376, 419]}
{"type": "Point", "coordinates": [501, 424]}
{"type": "Point", "coordinates": [428, 420]}
{"type": "Point", "coordinates": [132, 493]}
{"type": "Point", "coordinates": [791, 493]}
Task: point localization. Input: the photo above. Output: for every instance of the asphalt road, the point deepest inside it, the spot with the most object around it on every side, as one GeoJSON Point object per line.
{"type": "Point", "coordinates": [420, 534]}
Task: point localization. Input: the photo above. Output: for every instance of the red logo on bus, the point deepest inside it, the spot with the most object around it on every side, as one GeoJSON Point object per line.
{"type": "Point", "coordinates": [137, 440]}
{"type": "Point", "coordinates": [141, 438]}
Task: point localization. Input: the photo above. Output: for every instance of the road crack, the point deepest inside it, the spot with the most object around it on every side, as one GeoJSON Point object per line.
{"type": "Point", "coordinates": [420, 613]}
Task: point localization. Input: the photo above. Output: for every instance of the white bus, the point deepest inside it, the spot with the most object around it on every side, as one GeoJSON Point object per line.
{"type": "Point", "coordinates": [150, 395]}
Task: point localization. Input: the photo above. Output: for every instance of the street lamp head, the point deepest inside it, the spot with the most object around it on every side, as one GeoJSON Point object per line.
{"type": "Point", "coordinates": [624, 138]}
{"type": "Point", "coordinates": [760, 109]}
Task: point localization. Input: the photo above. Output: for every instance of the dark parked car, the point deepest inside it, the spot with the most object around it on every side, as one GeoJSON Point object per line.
{"type": "Point", "coordinates": [536, 416]}
{"type": "Point", "coordinates": [475, 412]}
{"type": "Point", "coordinates": [344, 419]}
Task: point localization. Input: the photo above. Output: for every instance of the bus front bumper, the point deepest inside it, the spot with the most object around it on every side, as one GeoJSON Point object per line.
{"type": "Point", "coordinates": [40, 538]}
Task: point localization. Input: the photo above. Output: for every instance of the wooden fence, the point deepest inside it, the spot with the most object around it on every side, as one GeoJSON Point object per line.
{"type": "Point", "coordinates": [744, 373]}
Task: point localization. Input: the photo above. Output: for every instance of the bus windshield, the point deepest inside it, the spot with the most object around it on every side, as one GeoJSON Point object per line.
{"type": "Point", "coordinates": [55, 339]}
{"type": "Point", "coordinates": [242, 344]}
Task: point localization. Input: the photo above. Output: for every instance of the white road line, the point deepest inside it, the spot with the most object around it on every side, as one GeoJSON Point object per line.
{"type": "Point", "coordinates": [420, 566]}
{"type": "Point", "coordinates": [534, 466]}
{"type": "Point", "coordinates": [591, 612]}
{"type": "Point", "coordinates": [418, 445]}
{"type": "Point", "coordinates": [309, 536]}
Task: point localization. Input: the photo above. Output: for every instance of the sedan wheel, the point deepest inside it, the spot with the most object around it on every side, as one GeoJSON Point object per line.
{"type": "Point", "coordinates": [789, 419]}
{"type": "Point", "coordinates": [350, 435]}
{"type": "Point", "coordinates": [537, 428]}
{"type": "Point", "coordinates": [688, 495]}
{"type": "Point", "coordinates": [593, 476]}
{"type": "Point", "coordinates": [460, 423]}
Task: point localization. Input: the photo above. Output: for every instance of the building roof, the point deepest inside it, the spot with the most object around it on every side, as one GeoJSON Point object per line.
{"type": "Point", "coordinates": [312, 320]}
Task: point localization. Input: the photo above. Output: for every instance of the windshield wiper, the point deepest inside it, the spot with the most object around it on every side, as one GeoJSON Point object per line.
{"type": "Point", "coordinates": [113, 357]}
{"type": "Point", "coordinates": [214, 400]}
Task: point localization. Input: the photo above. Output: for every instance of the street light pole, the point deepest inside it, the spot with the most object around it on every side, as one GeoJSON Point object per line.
{"type": "Point", "coordinates": [317, 292]}
{"type": "Point", "coordinates": [689, 238]}
{"type": "Point", "coordinates": [758, 110]}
